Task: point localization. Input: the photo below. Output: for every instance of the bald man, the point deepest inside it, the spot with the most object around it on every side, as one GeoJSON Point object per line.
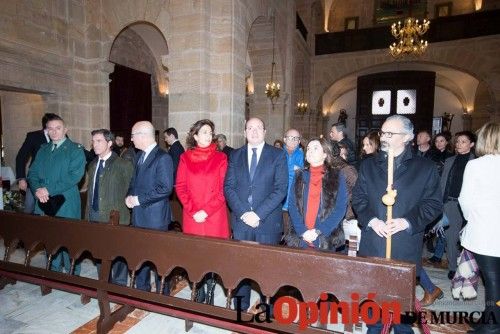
{"type": "Point", "coordinates": [149, 188]}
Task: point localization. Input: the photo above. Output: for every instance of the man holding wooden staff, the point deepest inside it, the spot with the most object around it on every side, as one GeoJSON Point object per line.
{"type": "Point", "coordinates": [418, 201]}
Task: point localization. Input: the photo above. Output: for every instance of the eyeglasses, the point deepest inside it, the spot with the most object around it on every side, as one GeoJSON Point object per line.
{"type": "Point", "coordinates": [292, 138]}
{"type": "Point", "coordinates": [389, 134]}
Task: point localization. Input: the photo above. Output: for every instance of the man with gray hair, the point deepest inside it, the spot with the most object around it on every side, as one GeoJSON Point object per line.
{"type": "Point", "coordinates": [418, 200]}
{"type": "Point", "coordinates": [222, 145]}
{"type": "Point", "coordinates": [338, 134]}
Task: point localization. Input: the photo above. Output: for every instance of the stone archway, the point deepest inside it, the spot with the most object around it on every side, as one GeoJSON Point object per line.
{"type": "Point", "coordinates": [475, 57]}
{"type": "Point", "coordinates": [141, 46]}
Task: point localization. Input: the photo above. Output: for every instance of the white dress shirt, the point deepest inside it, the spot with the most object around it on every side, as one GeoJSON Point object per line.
{"type": "Point", "coordinates": [250, 153]}
{"type": "Point", "coordinates": [148, 150]}
{"type": "Point", "coordinates": [479, 201]}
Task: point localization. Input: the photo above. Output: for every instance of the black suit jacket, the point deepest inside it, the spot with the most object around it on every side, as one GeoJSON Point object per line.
{"type": "Point", "coordinates": [152, 182]}
{"type": "Point", "coordinates": [268, 188]}
{"type": "Point", "coordinates": [30, 147]}
{"type": "Point", "coordinates": [175, 152]}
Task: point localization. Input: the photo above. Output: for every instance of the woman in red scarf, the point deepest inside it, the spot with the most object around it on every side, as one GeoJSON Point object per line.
{"type": "Point", "coordinates": [318, 200]}
{"type": "Point", "coordinates": [199, 186]}
{"type": "Point", "coordinates": [200, 183]}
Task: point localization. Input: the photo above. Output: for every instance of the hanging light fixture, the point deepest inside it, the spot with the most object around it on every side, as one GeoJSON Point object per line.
{"type": "Point", "coordinates": [272, 87]}
{"type": "Point", "coordinates": [302, 103]}
{"type": "Point", "coordinates": [409, 36]}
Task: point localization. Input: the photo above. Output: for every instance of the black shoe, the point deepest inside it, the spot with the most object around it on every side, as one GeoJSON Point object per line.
{"type": "Point", "coordinates": [451, 274]}
{"type": "Point", "coordinates": [434, 259]}
{"type": "Point", "coordinates": [430, 245]}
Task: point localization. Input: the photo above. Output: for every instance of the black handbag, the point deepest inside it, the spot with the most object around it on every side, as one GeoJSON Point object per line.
{"type": "Point", "coordinates": [53, 205]}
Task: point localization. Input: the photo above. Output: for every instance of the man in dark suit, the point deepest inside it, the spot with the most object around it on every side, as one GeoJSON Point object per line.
{"type": "Point", "coordinates": [175, 147]}
{"type": "Point", "coordinates": [149, 189]}
{"type": "Point", "coordinates": [255, 187]}
{"type": "Point", "coordinates": [418, 201]}
{"type": "Point", "coordinates": [28, 150]}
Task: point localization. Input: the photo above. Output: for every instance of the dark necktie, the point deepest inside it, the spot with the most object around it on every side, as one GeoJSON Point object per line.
{"type": "Point", "coordinates": [95, 198]}
{"type": "Point", "coordinates": [253, 167]}
{"type": "Point", "coordinates": [141, 158]}
{"type": "Point", "coordinates": [54, 146]}
{"type": "Point", "coordinates": [253, 163]}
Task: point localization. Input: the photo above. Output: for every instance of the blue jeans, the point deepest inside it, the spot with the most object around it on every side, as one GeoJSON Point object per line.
{"type": "Point", "coordinates": [440, 246]}
{"type": "Point", "coordinates": [60, 259]}
{"type": "Point", "coordinates": [426, 282]}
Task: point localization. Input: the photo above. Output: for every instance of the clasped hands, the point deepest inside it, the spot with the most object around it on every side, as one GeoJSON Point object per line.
{"type": "Point", "coordinates": [310, 235]}
{"type": "Point", "coordinates": [200, 216]}
{"type": "Point", "coordinates": [251, 219]}
{"type": "Point", "coordinates": [42, 194]}
{"type": "Point", "coordinates": [131, 201]}
{"type": "Point", "coordinates": [392, 226]}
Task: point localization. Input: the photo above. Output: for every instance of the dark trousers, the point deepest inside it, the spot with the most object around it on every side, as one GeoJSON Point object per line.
{"type": "Point", "coordinates": [490, 270]}
{"type": "Point", "coordinates": [143, 280]}
{"type": "Point", "coordinates": [249, 234]}
{"type": "Point", "coordinates": [29, 202]}
{"type": "Point", "coordinates": [452, 233]}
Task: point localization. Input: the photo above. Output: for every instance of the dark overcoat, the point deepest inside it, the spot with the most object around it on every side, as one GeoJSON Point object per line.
{"type": "Point", "coordinates": [152, 181]}
{"type": "Point", "coordinates": [113, 186]}
{"type": "Point", "coordinates": [418, 201]}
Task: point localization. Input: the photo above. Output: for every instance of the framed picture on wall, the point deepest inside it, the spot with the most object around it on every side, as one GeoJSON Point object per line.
{"type": "Point", "coordinates": [351, 23]}
{"type": "Point", "coordinates": [437, 124]}
{"type": "Point", "coordinates": [443, 9]}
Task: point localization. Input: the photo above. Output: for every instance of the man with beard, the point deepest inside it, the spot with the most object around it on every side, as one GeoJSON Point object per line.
{"type": "Point", "coordinates": [418, 200]}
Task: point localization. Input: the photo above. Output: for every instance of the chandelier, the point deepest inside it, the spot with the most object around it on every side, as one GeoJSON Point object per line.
{"type": "Point", "coordinates": [272, 87]}
{"type": "Point", "coordinates": [302, 103]}
{"type": "Point", "coordinates": [409, 35]}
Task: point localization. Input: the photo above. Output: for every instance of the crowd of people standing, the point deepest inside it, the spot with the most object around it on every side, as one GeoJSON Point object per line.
{"type": "Point", "coordinates": [304, 194]}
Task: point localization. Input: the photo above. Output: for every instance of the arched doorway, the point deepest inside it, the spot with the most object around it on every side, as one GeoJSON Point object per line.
{"type": "Point", "coordinates": [139, 83]}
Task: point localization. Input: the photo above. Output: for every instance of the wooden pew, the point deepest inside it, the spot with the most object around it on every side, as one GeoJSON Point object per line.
{"type": "Point", "coordinates": [271, 267]}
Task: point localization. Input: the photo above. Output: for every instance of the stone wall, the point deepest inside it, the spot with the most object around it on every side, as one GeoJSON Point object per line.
{"type": "Point", "coordinates": [21, 113]}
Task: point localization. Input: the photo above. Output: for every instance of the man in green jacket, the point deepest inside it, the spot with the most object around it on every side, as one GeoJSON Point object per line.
{"type": "Point", "coordinates": [58, 168]}
{"type": "Point", "coordinates": [108, 179]}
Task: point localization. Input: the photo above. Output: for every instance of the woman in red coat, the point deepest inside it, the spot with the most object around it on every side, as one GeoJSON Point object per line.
{"type": "Point", "coordinates": [200, 184]}
{"type": "Point", "coordinates": [200, 188]}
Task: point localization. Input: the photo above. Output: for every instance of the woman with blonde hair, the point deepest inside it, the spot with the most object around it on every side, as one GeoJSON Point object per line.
{"type": "Point", "coordinates": [479, 203]}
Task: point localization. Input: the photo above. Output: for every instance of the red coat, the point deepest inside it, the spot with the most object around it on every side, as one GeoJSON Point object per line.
{"type": "Point", "coordinates": [200, 186]}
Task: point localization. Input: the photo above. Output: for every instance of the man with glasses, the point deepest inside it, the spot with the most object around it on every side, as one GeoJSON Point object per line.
{"type": "Point", "coordinates": [418, 200]}
{"type": "Point", "coordinates": [150, 187]}
{"type": "Point", "coordinates": [255, 186]}
{"type": "Point", "coordinates": [295, 160]}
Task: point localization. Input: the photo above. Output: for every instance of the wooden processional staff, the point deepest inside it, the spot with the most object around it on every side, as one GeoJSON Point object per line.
{"type": "Point", "coordinates": [389, 198]}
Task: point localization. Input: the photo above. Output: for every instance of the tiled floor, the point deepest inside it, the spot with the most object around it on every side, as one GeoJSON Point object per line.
{"type": "Point", "coordinates": [24, 310]}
